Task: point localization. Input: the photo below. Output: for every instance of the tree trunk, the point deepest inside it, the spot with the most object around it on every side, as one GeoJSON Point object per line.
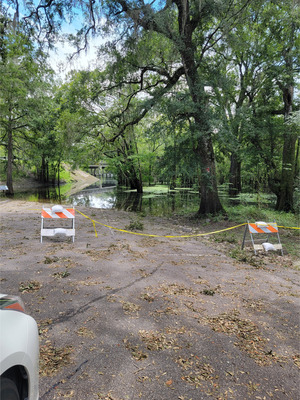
{"type": "Point", "coordinates": [9, 179]}
{"type": "Point", "coordinates": [285, 201]}
{"type": "Point", "coordinates": [173, 182]}
{"type": "Point", "coordinates": [133, 171]}
{"type": "Point", "coordinates": [43, 172]}
{"type": "Point", "coordinates": [209, 202]}
{"type": "Point", "coordinates": [58, 173]}
{"type": "Point", "coordinates": [139, 175]}
{"type": "Point", "coordinates": [235, 185]}
{"type": "Point", "coordinates": [209, 198]}
{"type": "Point", "coordinates": [134, 181]}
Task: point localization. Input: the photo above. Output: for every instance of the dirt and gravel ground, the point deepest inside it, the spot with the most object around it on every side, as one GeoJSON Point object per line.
{"type": "Point", "coordinates": [133, 317]}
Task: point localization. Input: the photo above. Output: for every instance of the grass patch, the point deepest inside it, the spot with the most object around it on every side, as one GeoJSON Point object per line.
{"type": "Point", "coordinates": [65, 176]}
{"type": "Point", "coordinates": [157, 189]}
{"type": "Point", "coordinates": [244, 257]}
{"type": "Point", "coordinates": [63, 274]}
{"type": "Point", "coordinates": [226, 237]}
{"type": "Point", "coordinates": [28, 287]}
{"type": "Point", "coordinates": [208, 292]}
{"type": "Point", "coordinates": [290, 238]}
{"type": "Point", "coordinates": [135, 225]}
{"type": "Point", "coordinates": [65, 173]}
{"type": "Point", "coordinates": [242, 213]}
{"type": "Point", "coordinates": [51, 260]}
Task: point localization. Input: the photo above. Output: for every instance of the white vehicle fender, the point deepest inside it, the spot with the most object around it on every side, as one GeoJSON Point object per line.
{"type": "Point", "coordinates": [19, 332]}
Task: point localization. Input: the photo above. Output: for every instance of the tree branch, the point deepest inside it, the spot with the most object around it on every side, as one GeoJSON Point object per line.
{"type": "Point", "coordinates": [149, 104]}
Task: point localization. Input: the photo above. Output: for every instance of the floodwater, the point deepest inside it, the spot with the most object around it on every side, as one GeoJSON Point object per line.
{"type": "Point", "coordinates": [153, 203]}
{"type": "Point", "coordinates": [156, 200]}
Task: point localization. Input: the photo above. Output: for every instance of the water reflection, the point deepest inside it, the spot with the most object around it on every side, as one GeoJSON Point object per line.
{"type": "Point", "coordinates": [94, 200]}
{"type": "Point", "coordinates": [129, 201]}
{"type": "Point", "coordinates": [152, 202]}
{"type": "Point", "coordinates": [50, 194]}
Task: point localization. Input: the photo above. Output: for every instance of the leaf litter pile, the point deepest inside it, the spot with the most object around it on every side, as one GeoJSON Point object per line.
{"type": "Point", "coordinates": [247, 333]}
{"type": "Point", "coordinates": [52, 359]}
{"type": "Point", "coordinates": [197, 371]}
{"type": "Point", "coordinates": [157, 340]}
{"type": "Point", "coordinates": [214, 351]}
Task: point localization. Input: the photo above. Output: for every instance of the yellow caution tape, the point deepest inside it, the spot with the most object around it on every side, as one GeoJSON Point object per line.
{"type": "Point", "coordinates": [94, 225]}
{"type": "Point", "coordinates": [168, 236]}
{"type": "Point", "coordinates": [288, 227]}
{"type": "Point", "coordinates": [161, 236]}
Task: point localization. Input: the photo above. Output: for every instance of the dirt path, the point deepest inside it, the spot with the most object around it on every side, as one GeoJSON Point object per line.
{"type": "Point", "coordinates": [134, 317]}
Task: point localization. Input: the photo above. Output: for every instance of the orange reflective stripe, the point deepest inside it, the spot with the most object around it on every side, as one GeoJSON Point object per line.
{"type": "Point", "coordinates": [45, 214]}
{"type": "Point", "coordinates": [253, 228]}
{"type": "Point", "coordinates": [259, 230]}
{"type": "Point", "coordinates": [61, 215]}
{"type": "Point", "coordinates": [66, 213]}
{"type": "Point", "coordinates": [15, 306]}
{"type": "Point", "coordinates": [272, 228]}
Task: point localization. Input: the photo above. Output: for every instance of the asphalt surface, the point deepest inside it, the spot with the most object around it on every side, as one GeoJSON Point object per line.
{"type": "Point", "coordinates": [134, 317]}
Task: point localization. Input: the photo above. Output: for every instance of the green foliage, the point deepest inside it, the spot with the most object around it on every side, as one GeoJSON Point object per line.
{"type": "Point", "coordinates": [149, 115]}
{"type": "Point", "coordinates": [135, 225]}
{"type": "Point", "coordinates": [24, 92]}
{"type": "Point", "coordinates": [208, 292]}
{"type": "Point", "coordinates": [246, 257]}
{"type": "Point", "coordinates": [156, 190]}
{"type": "Point", "coordinates": [226, 237]}
{"type": "Point", "coordinates": [65, 175]}
{"type": "Point", "coordinates": [241, 213]}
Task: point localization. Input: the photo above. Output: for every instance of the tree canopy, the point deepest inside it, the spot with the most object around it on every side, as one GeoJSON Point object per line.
{"type": "Point", "coordinates": [202, 91]}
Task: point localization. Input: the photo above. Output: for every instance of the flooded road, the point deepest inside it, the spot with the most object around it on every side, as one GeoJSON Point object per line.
{"type": "Point", "coordinates": [156, 200]}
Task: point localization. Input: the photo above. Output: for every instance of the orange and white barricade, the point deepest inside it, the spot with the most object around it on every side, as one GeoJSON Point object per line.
{"type": "Point", "coordinates": [56, 215]}
{"type": "Point", "coordinates": [260, 227]}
